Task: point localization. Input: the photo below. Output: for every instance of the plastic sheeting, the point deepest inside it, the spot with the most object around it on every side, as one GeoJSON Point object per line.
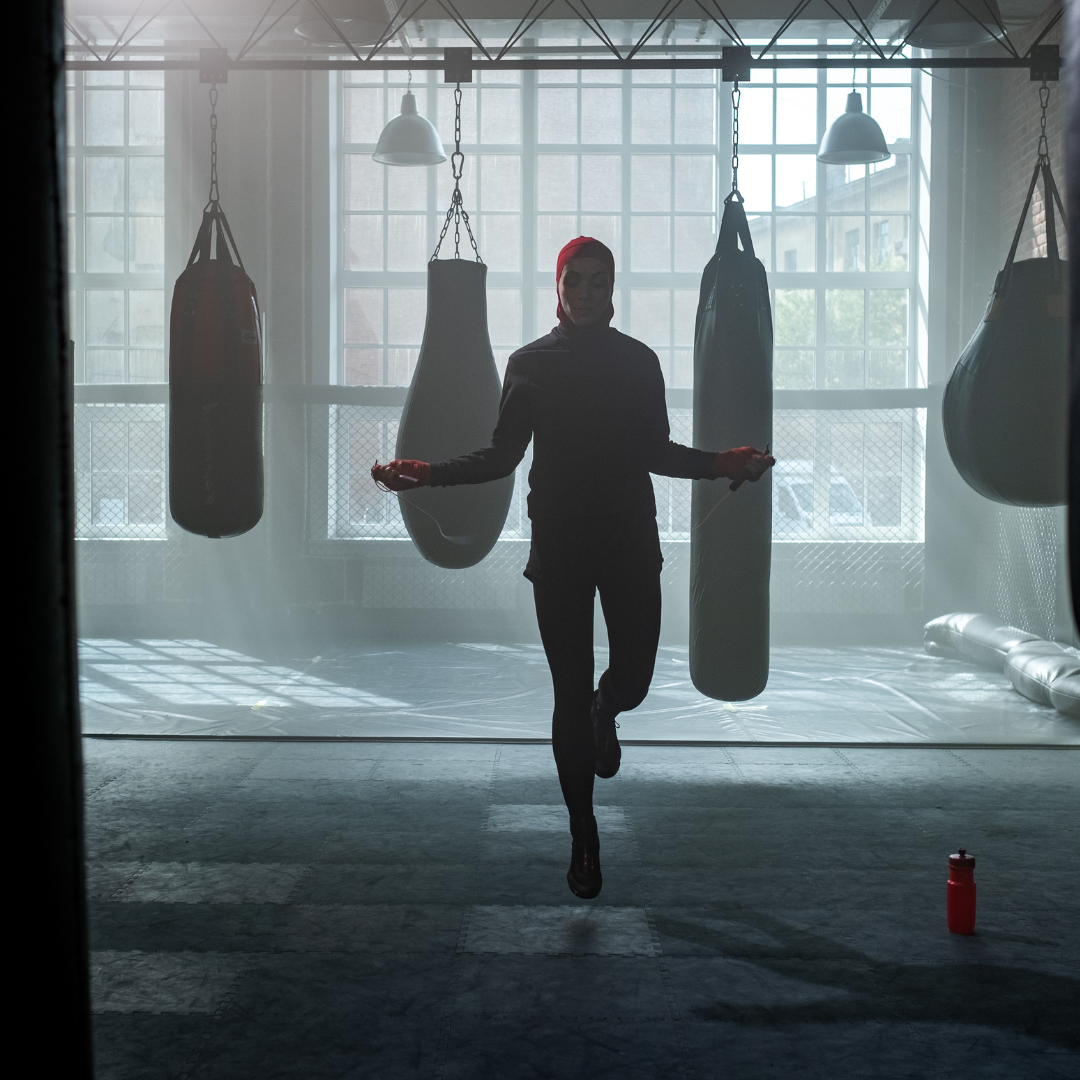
{"type": "Point", "coordinates": [848, 696]}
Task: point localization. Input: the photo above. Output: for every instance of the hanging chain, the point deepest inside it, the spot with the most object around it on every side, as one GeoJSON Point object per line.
{"type": "Point", "coordinates": [1044, 145]}
{"type": "Point", "coordinates": [457, 212]}
{"type": "Point", "coordinates": [736, 97]}
{"type": "Point", "coordinates": [214, 194]}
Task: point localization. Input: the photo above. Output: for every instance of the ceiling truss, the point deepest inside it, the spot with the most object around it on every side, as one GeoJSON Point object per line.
{"type": "Point", "coordinates": [871, 50]}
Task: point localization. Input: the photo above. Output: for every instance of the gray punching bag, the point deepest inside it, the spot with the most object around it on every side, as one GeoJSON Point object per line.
{"type": "Point", "coordinates": [1005, 406]}
{"type": "Point", "coordinates": [451, 409]}
{"type": "Point", "coordinates": [731, 544]}
{"type": "Point", "coordinates": [1072, 196]}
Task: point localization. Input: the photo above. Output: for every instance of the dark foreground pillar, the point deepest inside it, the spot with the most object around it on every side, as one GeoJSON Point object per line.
{"type": "Point", "coordinates": [44, 826]}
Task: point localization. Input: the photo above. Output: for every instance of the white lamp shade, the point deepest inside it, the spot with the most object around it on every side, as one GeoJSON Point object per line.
{"type": "Point", "coordinates": [854, 138]}
{"type": "Point", "coordinates": [409, 139]}
{"type": "Point", "coordinates": [949, 26]}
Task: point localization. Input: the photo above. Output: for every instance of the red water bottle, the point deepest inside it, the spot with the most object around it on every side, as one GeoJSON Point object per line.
{"type": "Point", "coordinates": [960, 905]}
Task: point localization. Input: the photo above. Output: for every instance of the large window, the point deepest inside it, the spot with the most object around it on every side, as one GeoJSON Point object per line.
{"type": "Point", "coordinates": [641, 160]}
{"type": "Point", "coordinates": [115, 199]}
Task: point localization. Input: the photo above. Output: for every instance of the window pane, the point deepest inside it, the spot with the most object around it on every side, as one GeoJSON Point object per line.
{"type": "Point", "coordinates": [501, 117]}
{"type": "Point", "coordinates": [650, 182]}
{"type": "Point", "coordinates": [364, 316]}
{"type": "Point", "coordinates": [601, 182]}
{"type": "Point", "coordinates": [796, 180]}
{"type": "Point", "coordinates": [695, 183]}
{"type": "Point", "coordinates": [504, 317]}
{"type": "Point", "coordinates": [796, 115]}
{"type": "Point", "coordinates": [889, 243]}
{"type": "Point", "coordinates": [406, 242]}
{"type": "Point", "coordinates": [556, 116]}
{"type": "Point", "coordinates": [846, 187]}
{"type": "Point", "coordinates": [104, 118]}
{"type": "Point", "coordinates": [694, 116]}
{"type": "Point", "coordinates": [409, 189]}
{"type": "Point", "coordinates": [650, 244]}
{"type": "Point", "coordinates": [500, 182]}
{"type": "Point", "coordinates": [147, 244]}
{"type": "Point", "coordinates": [844, 316]}
{"type": "Point", "coordinates": [685, 315]}
{"type": "Point", "coordinates": [400, 364]}
{"type": "Point", "coordinates": [601, 115]}
{"type": "Point", "coordinates": [500, 241]}
{"type": "Point", "coordinates": [364, 114]}
{"type": "Point", "coordinates": [650, 316]}
{"type": "Point", "coordinates": [104, 365]}
{"type": "Point", "coordinates": [557, 182]}
{"type": "Point", "coordinates": [756, 116]}
{"type": "Point", "coordinates": [363, 242]}
{"type": "Point", "coordinates": [363, 367]}
{"type": "Point", "coordinates": [146, 117]}
{"type": "Point", "coordinates": [886, 369]}
{"type": "Point", "coordinates": [406, 309]}
{"type": "Point", "coordinates": [793, 369]}
{"type": "Point", "coordinates": [146, 318]}
{"type": "Point", "coordinates": [695, 242]}
{"type": "Point", "coordinates": [755, 181]}
{"type": "Point", "coordinates": [845, 244]}
{"type": "Point", "coordinates": [796, 244]}
{"type": "Point", "coordinates": [795, 317]}
{"type": "Point", "coordinates": [105, 245]}
{"type": "Point", "coordinates": [650, 116]}
{"type": "Point", "coordinates": [362, 182]}
{"type": "Point", "coordinates": [147, 175]}
{"type": "Point", "coordinates": [891, 108]}
{"type": "Point", "coordinates": [843, 369]}
{"type": "Point", "coordinates": [105, 185]}
{"type": "Point", "coordinates": [889, 183]}
{"type": "Point", "coordinates": [888, 316]}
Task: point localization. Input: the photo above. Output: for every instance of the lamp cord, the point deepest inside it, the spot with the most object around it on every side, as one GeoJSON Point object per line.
{"type": "Point", "coordinates": [457, 213]}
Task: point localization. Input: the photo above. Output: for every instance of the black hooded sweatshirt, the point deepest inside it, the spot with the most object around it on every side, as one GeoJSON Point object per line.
{"type": "Point", "coordinates": [593, 399]}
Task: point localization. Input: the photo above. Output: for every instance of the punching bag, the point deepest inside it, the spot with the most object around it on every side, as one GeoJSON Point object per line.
{"type": "Point", "coordinates": [731, 531]}
{"type": "Point", "coordinates": [1072, 194]}
{"type": "Point", "coordinates": [215, 389]}
{"type": "Point", "coordinates": [451, 409]}
{"type": "Point", "coordinates": [1005, 406]}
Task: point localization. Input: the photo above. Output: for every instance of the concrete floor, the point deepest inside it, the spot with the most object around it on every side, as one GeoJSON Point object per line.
{"type": "Point", "coordinates": [393, 910]}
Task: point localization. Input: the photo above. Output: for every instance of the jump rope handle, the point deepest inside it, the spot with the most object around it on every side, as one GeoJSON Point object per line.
{"type": "Point", "coordinates": [740, 480]}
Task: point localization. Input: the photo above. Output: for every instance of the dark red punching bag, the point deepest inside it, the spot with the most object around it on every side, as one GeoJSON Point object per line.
{"type": "Point", "coordinates": [215, 389]}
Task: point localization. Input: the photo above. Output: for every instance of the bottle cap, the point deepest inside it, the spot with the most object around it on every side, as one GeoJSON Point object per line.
{"type": "Point", "coordinates": [962, 858]}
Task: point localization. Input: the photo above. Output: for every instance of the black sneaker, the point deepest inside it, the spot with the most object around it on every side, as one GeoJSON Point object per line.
{"type": "Point", "coordinates": [584, 876]}
{"type": "Point", "coordinates": [608, 751]}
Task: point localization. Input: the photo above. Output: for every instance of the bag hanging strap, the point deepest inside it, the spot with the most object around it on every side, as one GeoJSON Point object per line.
{"type": "Point", "coordinates": [215, 226]}
{"type": "Point", "coordinates": [1050, 197]}
{"type": "Point", "coordinates": [734, 227]}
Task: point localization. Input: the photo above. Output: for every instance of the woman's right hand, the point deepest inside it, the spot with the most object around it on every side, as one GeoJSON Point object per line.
{"type": "Point", "coordinates": [402, 474]}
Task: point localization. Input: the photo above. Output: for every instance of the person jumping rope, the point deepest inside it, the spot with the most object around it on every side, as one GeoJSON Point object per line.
{"type": "Point", "coordinates": [593, 401]}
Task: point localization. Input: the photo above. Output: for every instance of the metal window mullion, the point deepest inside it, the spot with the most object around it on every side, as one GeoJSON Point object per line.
{"type": "Point", "coordinates": [820, 263]}
{"type": "Point", "coordinates": [625, 153]}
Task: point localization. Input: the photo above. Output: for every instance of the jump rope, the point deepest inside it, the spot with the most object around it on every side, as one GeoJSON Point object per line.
{"type": "Point", "coordinates": [463, 540]}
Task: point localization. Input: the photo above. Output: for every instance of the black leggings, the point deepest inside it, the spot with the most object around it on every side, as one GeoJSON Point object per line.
{"type": "Point", "coordinates": [631, 604]}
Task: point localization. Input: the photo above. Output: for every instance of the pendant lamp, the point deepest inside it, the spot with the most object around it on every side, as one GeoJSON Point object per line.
{"type": "Point", "coordinates": [855, 138]}
{"type": "Point", "coordinates": [409, 139]}
{"type": "Point", "coordinates": [944, 24]}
